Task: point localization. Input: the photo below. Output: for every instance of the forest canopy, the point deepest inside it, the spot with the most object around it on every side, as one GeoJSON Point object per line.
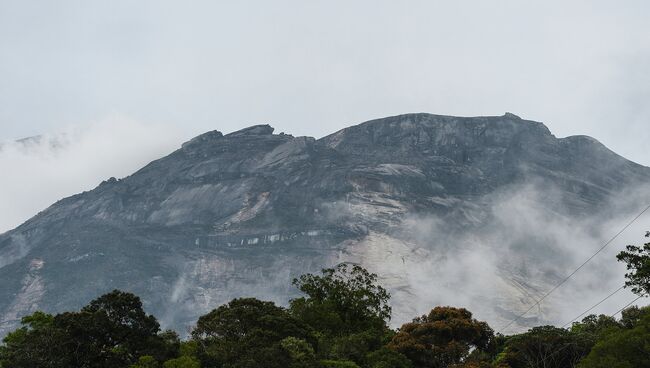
{"type": "Point", "coordinates": [341, 321]}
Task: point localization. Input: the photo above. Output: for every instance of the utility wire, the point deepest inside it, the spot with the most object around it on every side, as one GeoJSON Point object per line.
{"type": "Point", "coordinates": [566, 346]}
{"type": "Point", "coordinates": [627, 305]}
{"type": "Point", "coordinates": [575, 271]}
{"type": "Point", "coordinates": [594, 306]}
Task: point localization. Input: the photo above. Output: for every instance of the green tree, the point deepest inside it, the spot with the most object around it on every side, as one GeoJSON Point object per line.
{"type": "Point", "coordinates": [182, 362]}
{"type": "Point", "coordinates": [188, 356]}
{"type": "Point", "coordinates": [353, 347]}
{"type": "Point", "coordinates": [594, 325]}
{"type": "Point", "coordinates": [301, 354]}
{"type": "Point", "coordinates": [386, 358]}
{"type": "Point", "coordinates": [189, 348]}
{"type": "Point", "coordinates": [146, 361]}
{"type": "Point", "coordinates": [443, 337]}
{"type": "Point", "coordinates": [632, 315]}
{"type": "Point", "coordinates": [247, 333]}
{"type": "Point", "coordinates": [111, 331]}
{"type": "Point", "coordinates": [33, 344]}
{"type": "Point", "coordinates": [327, 363]}
{"type": "Point", "coordinates": [166, 345]}
{"type": "Point", "coordinates": [343, 300]}
{"type": "Point", "coordinates": [622, 347]}
{"type": "Point", "coordinates": [637, 259]}
{"type": "Point", "coordinates": [347, 309]}
{"type": "Point", "coordinates": [545, 347]}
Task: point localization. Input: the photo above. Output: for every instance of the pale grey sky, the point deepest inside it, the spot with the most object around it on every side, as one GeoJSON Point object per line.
{"type": "Point", "coordinates": [133, 79]}
{"type": "Point", "coordinates": [312, 67]}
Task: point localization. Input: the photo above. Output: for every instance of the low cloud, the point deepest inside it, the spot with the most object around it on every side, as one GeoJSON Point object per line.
{"type": "Point", "coordinates": [40, 170]}
{"type": "Point", "coordinates": [500, 259]}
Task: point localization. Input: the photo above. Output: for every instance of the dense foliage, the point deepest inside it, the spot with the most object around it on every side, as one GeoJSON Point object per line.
{"type": "Point", "coordinates": [112, 331]}
{"type": "Point", "coordinates": [340, 322]}
{"type": "Point", "coordinates": [343, 300]}
{"type": "Point", "coordinates": [246, 331]}
{"type": "Point", "coordinates": [637, 259]}
{"type": "Point", "coordinates": [442, 338]}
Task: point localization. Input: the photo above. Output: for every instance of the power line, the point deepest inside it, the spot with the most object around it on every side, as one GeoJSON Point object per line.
{"type": "Point", "coordinates": [627, 305]}
{"type": "Point", "coordinates": [566, 346]}
{"type": "Point", "coordinates": [576, 270]}
{"type": "Point", "coordinates": [594, 306]}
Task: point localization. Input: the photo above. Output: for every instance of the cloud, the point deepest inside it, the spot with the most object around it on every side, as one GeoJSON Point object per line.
{"type": "Point", "coordinates": [41, 170]}
{"type": "Point", "coordinates": [311, 68]}
{"type": "Point", "coordinates": [507, 255]}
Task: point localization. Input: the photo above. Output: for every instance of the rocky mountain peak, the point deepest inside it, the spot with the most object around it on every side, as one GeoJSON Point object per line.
{"type": "Point", "coordinates": [407, 125]}
{"type": "Point", "coordinates": [243, 213]}
{"type": "Point", "coordinates": [208, 137]}
{"type": "Point", "coordinates": [262, 129]}
{"type": "Point", "coordinates": [511, 116]}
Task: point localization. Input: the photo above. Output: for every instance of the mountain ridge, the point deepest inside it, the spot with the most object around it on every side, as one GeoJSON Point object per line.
{"type": "Point", "coordinates": [240, 213]}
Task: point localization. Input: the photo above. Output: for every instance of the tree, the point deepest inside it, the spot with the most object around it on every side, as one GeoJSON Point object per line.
{"type": "Point", "coordinates": [545, 347]}
{"type": "Point", "coordinates": [32, 345]}
{"type": "Point", "coordinates": [247, 333]}
{"type": "Point", "coordinates": [343, 300]}
{"type": "Point", "coordinates": [146, 361]}
{"type": "Point", "coordinates": [594, 325]}
{"type": "Point", "coordinates": [347, 309]}
{"type": "Point", "coordinates": [623, 347]}
{"type": "Point", "coordinates": [337, 364]}
{"type": "Point", "coordinates": [111, 331]}
{"type": "Point", "coordinates": [637, 259]}
{"type": "Point", "coordinates": [300, 352]}
{"type": "Point", "coordinates": [188, 356]}
{"type": "Point", "coordinates": [632, 315]}
{"type": "Point", "coordinates": [182, 362]}
{"type": "Point", "coordinates": [386, 358]}
{"type": "Point", "coordinates": [351, 347]}
{"type": "Point", "coordinates": [443, 337]}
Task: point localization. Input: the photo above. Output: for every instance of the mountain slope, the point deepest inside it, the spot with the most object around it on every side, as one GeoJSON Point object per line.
{"type": "Point", "coordinates": [241, 214]}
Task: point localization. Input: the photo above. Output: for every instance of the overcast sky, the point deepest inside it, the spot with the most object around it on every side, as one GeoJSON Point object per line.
{"type": "Point", "coordinates": [313, 67]}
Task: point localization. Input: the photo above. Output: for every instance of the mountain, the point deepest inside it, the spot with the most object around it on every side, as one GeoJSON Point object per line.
{"type": "Point", "coordinates": [415, 198]}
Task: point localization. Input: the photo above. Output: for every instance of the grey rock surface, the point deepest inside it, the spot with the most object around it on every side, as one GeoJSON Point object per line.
{"type": "Point", "coordinates": [242, 214]}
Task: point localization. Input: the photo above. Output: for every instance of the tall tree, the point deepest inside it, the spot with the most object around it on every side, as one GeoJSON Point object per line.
{"type": "Point", "coordinates": [247, 333]}
{"type": "Point", "coordinates": [627, 346]}
{"type": "Point", "coordinates": [33, 344]}
{"type": "Point", "coordinates": [348, 309]}
{"type": "Point", "coordinates": [112, 331]}
{"type": "Point", "coordinates": [545, 347]}
{"type": "Point", "coordinates": [637, 259]}
{"type": "Point", "coordinates": [343, 300]}
{"type": "Point", "coordinates": [443, 337]}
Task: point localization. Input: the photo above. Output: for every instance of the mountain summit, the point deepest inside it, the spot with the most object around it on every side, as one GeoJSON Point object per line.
{"type": "Point", "coordinates": [242, 214]}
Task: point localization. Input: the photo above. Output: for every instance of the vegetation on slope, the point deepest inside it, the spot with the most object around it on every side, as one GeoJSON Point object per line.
{"type": "Point", "coordinates": [340, 322]}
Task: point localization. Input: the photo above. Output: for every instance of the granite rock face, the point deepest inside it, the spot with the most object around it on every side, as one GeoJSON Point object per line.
{"type": "Point", "coordinates": [242, 214]}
